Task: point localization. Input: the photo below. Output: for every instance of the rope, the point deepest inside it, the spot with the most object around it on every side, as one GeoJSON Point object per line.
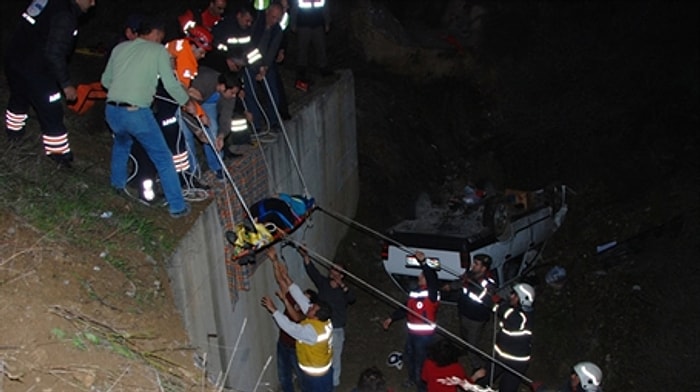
{"type": "Point", "coordinates": [268, 167]}
{"type": "Point", "coordinates": [330, 264]}
{"type": "Point", "coordinates": [191, 192]}
{"type": "Point", "coordinates": [227, 174]}
{"type": "Point", "coordinates": [255, 97]}
{"type": "Point", "coordinates": [286, 137]}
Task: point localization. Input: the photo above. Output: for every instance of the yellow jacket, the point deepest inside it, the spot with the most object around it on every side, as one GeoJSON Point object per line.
{"type": "Point", "coordinates": [315, 359]}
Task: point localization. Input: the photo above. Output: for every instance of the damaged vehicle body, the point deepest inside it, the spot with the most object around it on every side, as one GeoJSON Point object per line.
{"type": "Point", "coordinates": [512, 227]}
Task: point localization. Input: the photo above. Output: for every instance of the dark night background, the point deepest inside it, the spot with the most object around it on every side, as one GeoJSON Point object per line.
{"type": "Point", "coordinates": [599, 95]}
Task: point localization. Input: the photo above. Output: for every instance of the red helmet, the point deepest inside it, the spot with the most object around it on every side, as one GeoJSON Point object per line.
{"type": "Point", "coordinates": [201, 37]}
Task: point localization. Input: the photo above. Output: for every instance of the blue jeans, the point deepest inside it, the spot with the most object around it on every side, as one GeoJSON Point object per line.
{"type": "Point", "coordinates": [317, 383]}
{"type": "Point", "coordinates": [140, 124]}
{"type": "Point", "coordinates": [415, 353]}
{"type": "Point", "coordinates": [337, 344]}
{"type": "Point", "coordinates": [209, 151]}
{"type": "Point", "coordinates": [287, 366]}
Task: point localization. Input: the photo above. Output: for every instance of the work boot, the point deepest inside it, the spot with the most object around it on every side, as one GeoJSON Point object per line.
{"type": "Point", "coordinates": [64, 160]}
{"type": "Point", "coordinates": [15, 136]}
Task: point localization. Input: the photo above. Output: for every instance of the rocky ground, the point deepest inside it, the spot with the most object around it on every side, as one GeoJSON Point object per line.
{"type": "Point", "coordinates": [600, 97]}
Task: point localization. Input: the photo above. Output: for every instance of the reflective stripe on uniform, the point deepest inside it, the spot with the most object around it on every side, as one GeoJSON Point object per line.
{"type": "Point", "coordinates": [56, 144]}
{"type": "Point", "coordinates": [306, 4]}
{"type": "Point", "coordinates": [421, 326]}
{"type": "Point", "coordinates": [181, 162]}
{"type": "Point", "coordinates": [510, 356]}
{"type": "Point", "coordinates": [15, 121]}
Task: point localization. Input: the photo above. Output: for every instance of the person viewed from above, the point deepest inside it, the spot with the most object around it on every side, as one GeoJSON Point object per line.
{"type": "Point", "coordinates": [333, 290]}
{"type": "Point", "coordinates": [313, 335]}
{"type": "Point", "coordinates": [36, 67]}
{"type": "Point", "coordinates": [585, 377]}
{"type": "Point", "coordinates": [131, 76]}
{"type": "Point", "coordinates": [207, 17]}
{"type": "Point", "coordinates": [262, 77]}
{"type": "Point", "coordinates": [311, 20]}
{"type": "Point", "coordinates": [476, 287]}
{"type": "Point", "coordinates": [232, 40]}
{"type": "Point", "coordinates": [287, 362]}
{"type": "Point", "coordinates": [514, 337]}
{"type": "Point", "coordinates": [185, 54]}
{"type": "Point", "coordinates": [217, 94]}
{"type": "Point", "coordinates": [442, 361]}
{"type": "Point", "coordinates": [421, 317]}
{"type": "Point", "coordinates": [371, 380]}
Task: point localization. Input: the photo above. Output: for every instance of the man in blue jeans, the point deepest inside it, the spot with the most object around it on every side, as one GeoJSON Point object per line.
{"type": "Point", "coordinates": [420, 313]}
{"type": "Point", "coordinates": [219, 92]}
{"type": "Point", "coordinates": [131, 76]}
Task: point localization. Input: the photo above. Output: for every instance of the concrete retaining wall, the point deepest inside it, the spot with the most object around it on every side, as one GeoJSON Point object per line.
{"type": "Point", "coordinates": [237, 336]}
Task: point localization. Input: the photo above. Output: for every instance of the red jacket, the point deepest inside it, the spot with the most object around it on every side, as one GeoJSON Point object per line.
{"type": "Point", "coordinates": [432, 372]}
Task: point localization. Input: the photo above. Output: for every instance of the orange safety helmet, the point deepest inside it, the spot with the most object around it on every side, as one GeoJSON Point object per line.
{"type": "Point", "coordinates": [201, 37]}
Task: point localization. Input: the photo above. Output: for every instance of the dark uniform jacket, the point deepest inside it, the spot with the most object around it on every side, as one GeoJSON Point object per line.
{"type": "Point", "coordinates": [45, 38]}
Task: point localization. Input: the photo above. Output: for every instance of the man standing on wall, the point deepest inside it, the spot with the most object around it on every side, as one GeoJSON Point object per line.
{"type": "Point", "coordinates": [36, 65]}
{"type": "Point", "coordinates": [131, 76]}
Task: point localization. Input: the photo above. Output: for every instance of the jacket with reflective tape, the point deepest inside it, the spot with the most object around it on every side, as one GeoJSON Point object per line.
{"type": "Point", "coordinates": [514, 338]}
{"type": "Point", "coordinates": [315, 358]}
{"type": "Point", "coordinates": [475, 302]}
{"type": "Point", "coordinates": [45, 38]}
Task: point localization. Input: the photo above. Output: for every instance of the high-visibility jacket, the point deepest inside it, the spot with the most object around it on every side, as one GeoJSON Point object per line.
{"type": "Point", "coordinates": [514, 337]}
{"type": "Point", "coordinates": [476, 303]}
{"type": "Point", "coordinates": [186, 66]}
{"type": "Point", "coordinates": [419, 303]}
{"type": "Point", "coordinates": [315, 359]}
{"type": "Point", "coordinates": [309, 13]}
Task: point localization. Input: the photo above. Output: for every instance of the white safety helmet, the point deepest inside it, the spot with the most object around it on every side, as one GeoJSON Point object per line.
{"type": "Point", "coordinates": [525, 293]}
{"type": "Point", "coordinates": [589, 374]}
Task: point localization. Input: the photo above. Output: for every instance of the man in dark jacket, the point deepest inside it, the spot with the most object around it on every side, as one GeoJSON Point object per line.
{"type": "Point", "coordinates": [514, 337]}
{"type": "Point", "coordinates": [36, 65]}
{"type": "Point", "coordinates": [475, 303]}
{"type": "Point", "coordinates": [333, 290]}
{"type": "Point", "coordinates": [311, 20]}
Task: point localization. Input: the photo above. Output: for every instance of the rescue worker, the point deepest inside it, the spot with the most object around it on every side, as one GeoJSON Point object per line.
{"type": "Point", "coordinates": [262, 77]}
{"type": "Point", "coordinates": [36, 66]}
{"type": "Point", "coordinates": [311, 20]}
{"type": "Point", "coordinates": [207, 18]}
{"type": "Point", "coordinates": [131, 76]}
{"type": "Point", "coordinates": [514, 337]}
{"type": "Point", "coordinates": [475, 303]}
{"type": "Point", "coordinates": [219, 94]}
{"type": "Point", "coordinates": [313, 335]}
{"type": "Point", "coordinates": [421, 317]}
{"type": "Point", "coordinates": [585, 377]}
{"type": "Point", "coordinates": [185, 53]}
{"type": "Point", "coordinates": [335, 291]}
{"type": "Point", "coordinates": [287, 362]}
{"type": "Point", "coordinates": [232, 38]}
